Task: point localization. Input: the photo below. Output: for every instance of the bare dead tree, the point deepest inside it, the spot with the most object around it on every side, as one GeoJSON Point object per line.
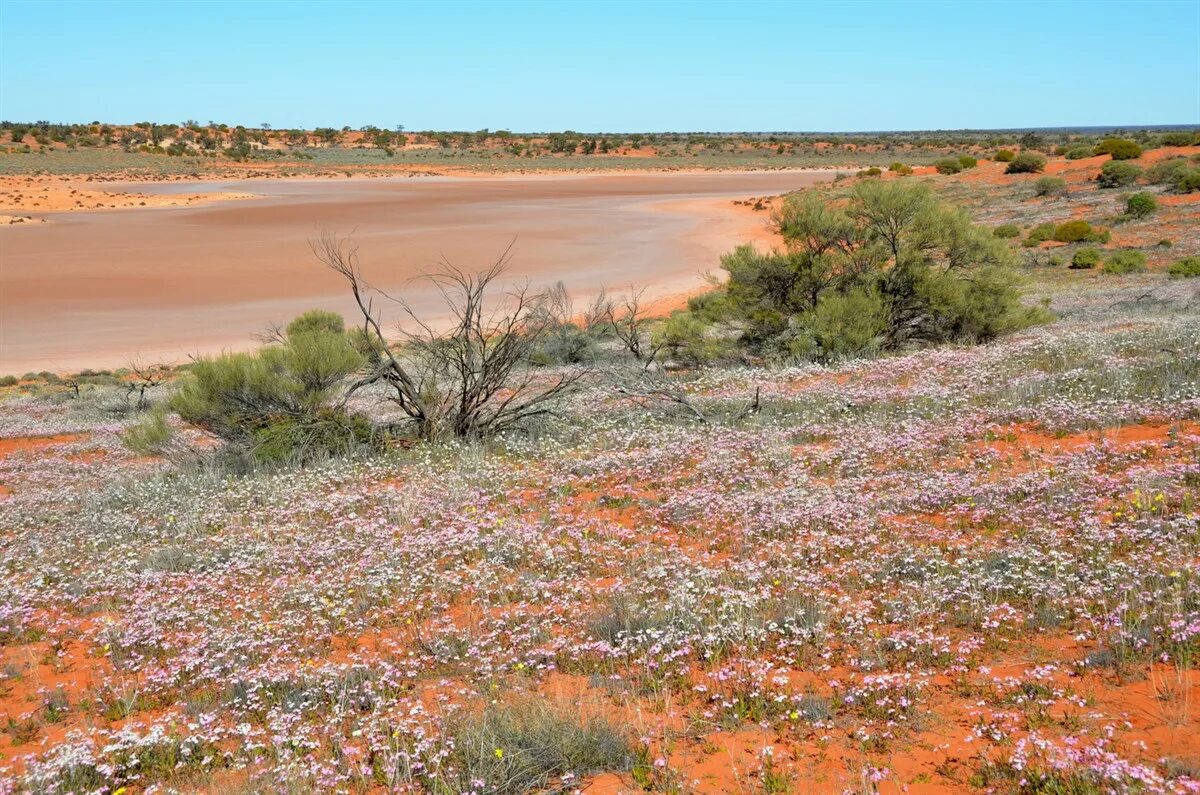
{"type": "Point", "coordinates": [145, 378]}
{"type": "Point", "coordinates": [474, 378]}
{"type": "Point", "coordinates": [628, 320]}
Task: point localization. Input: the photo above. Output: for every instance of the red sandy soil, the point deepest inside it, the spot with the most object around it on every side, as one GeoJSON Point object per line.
{"type": "Point", "coordinates": [23, 196]}
{"type": "Point", "coordinates": [97, 289]}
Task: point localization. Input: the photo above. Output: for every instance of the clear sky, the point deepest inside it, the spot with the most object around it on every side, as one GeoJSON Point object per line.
{"type": "Point", "coordinates": [604, 66]}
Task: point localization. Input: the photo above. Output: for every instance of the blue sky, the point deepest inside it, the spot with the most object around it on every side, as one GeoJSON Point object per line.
{"type": "Point", "coordinates": [612, 66]}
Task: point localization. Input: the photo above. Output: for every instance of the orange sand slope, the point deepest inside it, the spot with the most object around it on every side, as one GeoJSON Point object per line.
{"type": "Point", "coordinates": [95, 289]}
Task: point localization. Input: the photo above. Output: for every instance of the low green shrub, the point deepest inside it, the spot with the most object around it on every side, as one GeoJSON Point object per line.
{"type": "Point", "coordinates": [947, 165]}
{"type": "Point", "coordinates": [900, 168]}
{"type": "Point", "coordinates": [1165, 172]}
{"type": "Point", "coordinates": [1115, 174]}
{"type": "Point", "coordinates": [1180, 138]}
{"type": "Point", "coordinates": [1076, 231]}
{"type": "Point", "coordinates": [967, 161]}
{"type": "Point", "coordinates": [1078, 152]}
{"type": "Point", "coordinates": [1122, 262]}
{"type": "Point", "coordinates": [1141, 205]}
{"type": "Point", "coordinates": [1085, 259]}
{"type": "Point", "coordinates": [1004, 156]}
{"type": "Point", "coordinates": [1039, 234]}
{"type": "Point", "coordinates": [1118, 148]}
{"type": "Point", "coordinates": [9, 380]}
{"type": "Point", "coordinates": [151, 434]}
{"type": "Point", "coordinates": [1007, 231]}
{"type": "Point", "coordinates": [1050, 186]}
{"type": "Point", "coordinates": [1186, 268]}
{"type": "Point", "coordinates": [685, 338]}
{"type": "Point", "coordinates": [873, 171]}
{"type": "Point", "coordinates": [1186, 181]}
{"type": "Point", "coordinates": [842, 326]}
{"type": "Point", "coordinates": [1026, 163]}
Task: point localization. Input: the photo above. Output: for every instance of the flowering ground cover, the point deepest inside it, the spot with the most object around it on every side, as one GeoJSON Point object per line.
{"type": "Point", "coordinates": [963, 569]}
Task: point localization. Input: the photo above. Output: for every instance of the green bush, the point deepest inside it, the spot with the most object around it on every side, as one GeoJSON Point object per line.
{"type": "Point", "coordinates": [1007, 231]}
{"type": "Point", "coordinates": [900, 168]}
{"type": "Point", "coordinates": [1165, 172]}
{"type": "Point", "coordinates": [1026, 163]}
{"type": "Point", "coordinates": [1085, 259]}
{"type": "Point", "coordinates": [947, 165]}
{"type": "Point", "coordinates": [685, 338]}
{"type": "Point", "coordinates": [1141, 205]}
{"type": "Point", "coordinates": [1125, 262]}
{"type": "Point", "coordinates": [873, 171]}
{"type": "Point", "coordinates": [1004, 156]}
{"type": "Point", "coordinates": [1049, 186]}
{"type": "Point", "coordinates": [1039, 234]}
{"type": "Point", "coordinates": [842, 326]}
{"type": "Point", "coordinates": [275, 405]}
{"type": "Point", "coordinates": [151, 435]}
{"type": "Point", "coordinates": [967, 161]}
{"type": "Point", "coordinates": [1186, 268]}
{"type": "Point", "coordinates": [1118, 148]}
{"type": "Point", "coordinates": [316, 321]}
{"type": "Point", "coordinates": [1078, 152]}
{"type": "Point", "coordinates": [1186, 181]}
{"type": "Point", "coordinates": [1180, 138]}
{"type": "Point", "coordinates": [1115, 174]}
{"type": "Point", "coordinates": [1075, 231]}
{"type": "Point", "coordinates": [9, 380]}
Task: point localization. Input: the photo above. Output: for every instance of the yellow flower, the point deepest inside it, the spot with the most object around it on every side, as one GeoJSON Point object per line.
{"type": "Point", "coordinates": [499, 753]}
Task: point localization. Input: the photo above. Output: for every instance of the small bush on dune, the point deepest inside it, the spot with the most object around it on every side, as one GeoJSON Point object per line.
{"type": "Point", "coordinates": [842, 326]}
{"type": "Point", "coordinates": [900, 168]}
{"type": "Point", "coordinates": [1122, 262]}
{"type": "Point", "coordinates": [1039, 234]}
{"type": "Point", "coordinates": [1115, 174]}
{"type": "Point", "coordinates": [276, 404]}
{"type": "Point", "coordinates": [1181, 138]}
{"type": "Point", "coordinates": [1186, 181]}
{"type": "Point", "coordinates": [1186, 268]}
{"type": "Point", "coordinates": [1085, 259]}
{"type": "Point", "coordinates": [1007, 231]}
{"type": "Point", "coordinates": [9, 380]}
{"type": "Point", "coordinates": [1078, 152]}
{"type": "Point", "coordinates": [873, 171]}
{"type": "Point", "coordinates": [967, 161]}
{"type": "Point", "coordinates": [1004, 156]}
{"type": "Point", "coordinates": [947, 165]}
{"type": "Point", "coordinates": [1049, 186]}
{"type": "Point", "coordinates": [685, 338]}
{"type": "Point", "coordinates": [1074, 232]}
{"type": "Point", "coordinates": [1164, 172]}
{"type": "Point", "coordinates": [151, 435]}
{"type": "Point", "coordinates": [526, 746]}
{"type": "Point", "coordinates": [1026, 163]}
{"type": "Point", "coordinates": [1141, 205]}
{"type": "Point", "coordinates": [1118, 148]}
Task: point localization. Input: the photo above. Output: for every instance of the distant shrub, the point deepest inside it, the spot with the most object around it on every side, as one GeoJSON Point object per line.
{"type": "Point", "coordinates": [1122, 262]}
{"type": "Point", "coordinates": [1118, 148]}
{"type": "Point", "coordinates": [1115, 174]}
{"type": "Point", "coordinates": [1026, 163]}
{"type": "Point", "coordinates": [1141, 205]}
{"type": "Point", "coordinates": [1164, 243]}
{"type": "Point", "coordinates": [9, 380]}
{"type": "Point", "coordinates": [1165, 172]}
{"type": "Point", "coordinates": [1180, 138]}
{"type": "Point", "coordinates": [967, 161]}
{"type": "Point", "coordinates": [151, 435]}
{"type": "Point", "coordinates": [1074, 232]}
{"type": "Point", "coordinates": [1004, 156]}
{"type": "Point", "coordinates": [1085, 259]}
{"type": "Point", "coordinates": [1049, 186]}
{"type": "Point", "coordinates": [1039, 234]}
{"type": "Point", "coordinates": [1186, 268]}
{"type": "Point", "coordinates": [947, 165]}
{"type": "Point", "coordinates": [873, 171]}
{"type": "Point", "coordinates": [900, 168]}
{"type": "Point", "coordinates": [684, 337]}
{"type": "Point", "coordinates": [1078, 152]}
{"type": "Point", "coordinates": [1007, 231]}
{"type": "Point", "coordinates": [1186, 181]}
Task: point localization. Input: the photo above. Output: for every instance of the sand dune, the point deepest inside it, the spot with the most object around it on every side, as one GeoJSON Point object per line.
{"type": "Point", "coordinates": [95, 289]}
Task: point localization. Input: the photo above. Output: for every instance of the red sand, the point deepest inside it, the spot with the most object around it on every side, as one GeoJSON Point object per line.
{"type": "Point", "coordinates": [96, 289]}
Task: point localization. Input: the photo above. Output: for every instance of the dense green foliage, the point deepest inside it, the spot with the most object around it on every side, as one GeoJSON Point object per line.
{"type": "Point", "coordinates": [1026, 163]}
{"type": "Point", "coordinates": [1118, 148]}
{"type": "Point", "coordinates": [1049, 186]}
{"type": "Point", "coordinates": [1141, 205]}
{"type": "Point", "coordinates": [1186, 268]}
{"type": "Point", "coordinates": [1122, 262]}
{"type": "Point", "coordinates": [1007, 231]}
{"type": "Point", "coordinates": [1004, 156]}
{"type": "Point", "coordinates": [893, 268]}
{"type": "Point", "coordinates": [1085, 259]}
{"type": "Point", "coordinates": [277, 404]}
{"type": "Point", "coordinates": [1115, 174]}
